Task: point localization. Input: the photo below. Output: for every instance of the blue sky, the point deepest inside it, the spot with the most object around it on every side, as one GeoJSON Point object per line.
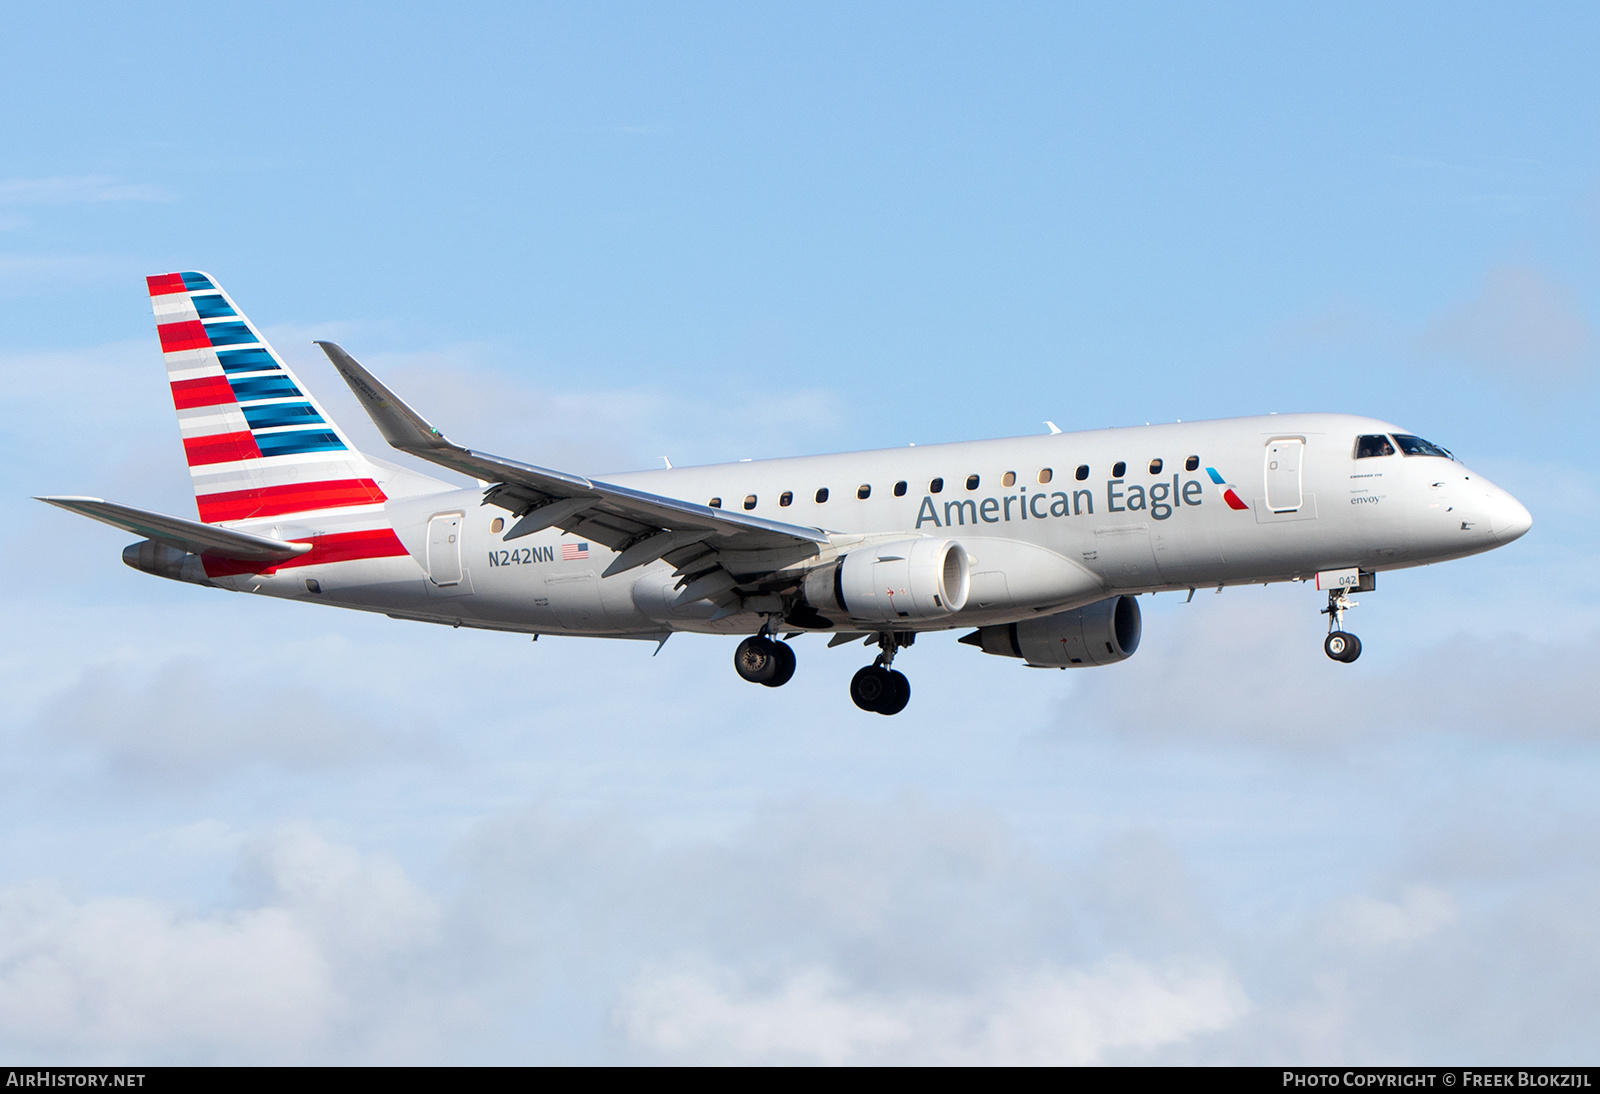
{"type": "Point", "coordinates": [586, 237]}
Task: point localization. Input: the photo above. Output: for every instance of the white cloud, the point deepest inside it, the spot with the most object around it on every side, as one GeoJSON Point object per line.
{"type": "Point", "coordinates": [119, 977]}
{"type": "Point", "coordinates": [77, 190]}
{"type": "Point", "coordinates": [1368, 923]}
{"type": "Point", "coordinates": [1523, 325]}
{"type": "Point", "coordinates": [1044, 1017]}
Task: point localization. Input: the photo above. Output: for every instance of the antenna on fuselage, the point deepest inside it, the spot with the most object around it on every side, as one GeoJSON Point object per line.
{"type": "Point", "coordinates": [1053, 427]}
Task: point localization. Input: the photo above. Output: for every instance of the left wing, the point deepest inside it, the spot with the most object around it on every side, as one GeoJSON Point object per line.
{"type": "Point", "coordinates": [714, 551]}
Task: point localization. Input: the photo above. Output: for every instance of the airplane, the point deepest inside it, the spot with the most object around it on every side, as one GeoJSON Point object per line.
{"type": "Point", "coordinates": [1038, 545]}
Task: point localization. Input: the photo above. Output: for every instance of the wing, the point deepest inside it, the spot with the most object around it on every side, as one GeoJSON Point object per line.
{"type": "Point", "coordinates": [713, 550]}
{"type": "Point", "coordinates": [185, 535]}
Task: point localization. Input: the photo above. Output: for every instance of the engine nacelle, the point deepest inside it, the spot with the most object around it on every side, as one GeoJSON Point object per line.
{"type": "Point", "coordinates": [1100, 634]}
{"type": "Point", "coordinates": [909, 579]}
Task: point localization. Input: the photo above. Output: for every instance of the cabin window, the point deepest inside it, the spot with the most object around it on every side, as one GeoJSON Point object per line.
{"type": "Point", "coordinates": [864, 491]}
{"type": "Point", "coordinates": [900, 489]}
{"type": "Point", "coordinates": [1082, 472]}
{"type": "Point", "coordinates": [715, 503]}
{"type": "Point", "coordinates": [972, 482]}
{"type": "Point", "coordinates": [749, 501]}
{"type": "Point", "coordinates": [822, 495]}
{"type": "Point", "coordinates": [497, 523]}
{"type": "Point", "coordinates": [1192, 463]}
{"type": "Point", "coordinates": [786, 499]}
{"type": "Point", "coordinates": [1046, 475]}
{"type": "Point", "coordinates": [1416, 446]}
{"type": "Point", "coordinates": [1119, 469]}
{"type": "Point", "coordinates": [1155, 467]}
{"type": "Point", "coordinates": [935, 486]}
{"type": "Point", "coordinates": [1373, 444]}
{"type": "Point", "coordinates": [1008, 479]}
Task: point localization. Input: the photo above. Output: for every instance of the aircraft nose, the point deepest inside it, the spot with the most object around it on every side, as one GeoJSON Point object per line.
{"type": "Point", "coordinates": [1508, 517]}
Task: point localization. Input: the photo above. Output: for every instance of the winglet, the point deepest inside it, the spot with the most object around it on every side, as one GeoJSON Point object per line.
{"type": "Point", "coordinates": [401, 426]}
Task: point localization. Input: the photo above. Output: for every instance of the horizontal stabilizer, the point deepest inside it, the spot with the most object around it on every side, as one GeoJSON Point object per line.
{"type": "Point", "coordinates": [185, 535]}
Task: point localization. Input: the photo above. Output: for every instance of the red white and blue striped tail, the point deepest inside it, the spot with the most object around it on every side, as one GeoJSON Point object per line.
{"type": "Point", "coordinates": [258, 444]}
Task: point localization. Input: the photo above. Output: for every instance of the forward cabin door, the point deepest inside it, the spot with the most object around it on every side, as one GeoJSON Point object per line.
{"type": "Point", "coordinates": [444, 549]}
{"type": "Point", "coordinates": [1283, 474]}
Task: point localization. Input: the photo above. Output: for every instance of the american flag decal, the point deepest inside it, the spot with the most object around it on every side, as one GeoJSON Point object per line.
{"type": "Point", "coordinates": [572, 552]}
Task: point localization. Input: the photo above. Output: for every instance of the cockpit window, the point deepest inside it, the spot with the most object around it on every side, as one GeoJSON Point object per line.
{"type": "Point", "coordinates": [1416, 446]}
{"type": "Point", "coordinates": [1373, 444]}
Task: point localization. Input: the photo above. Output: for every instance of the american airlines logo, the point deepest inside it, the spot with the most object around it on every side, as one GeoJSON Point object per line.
{"type": "Point", "coordinates": [1159, 499]}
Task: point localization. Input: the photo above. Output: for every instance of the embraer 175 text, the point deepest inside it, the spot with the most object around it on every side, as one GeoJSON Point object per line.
{"type": "Point", "coordinates": [1039, 544]}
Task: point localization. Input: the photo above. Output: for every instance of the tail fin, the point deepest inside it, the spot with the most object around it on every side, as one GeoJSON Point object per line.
{"type": "Point", "coordinates": [257, 443]}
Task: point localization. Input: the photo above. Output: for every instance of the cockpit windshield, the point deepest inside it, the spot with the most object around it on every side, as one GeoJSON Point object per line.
{"type": "Point", "coordinates": [1416, 446]}
{"type": "Point", "coordinates": [1373, 444]}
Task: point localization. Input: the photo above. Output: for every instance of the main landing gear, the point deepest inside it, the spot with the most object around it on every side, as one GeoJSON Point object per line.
{"type": "Point", "coordinates": [763, 660]}
{"type": "Point", "coordinates": [1340, 644]}
{"type": "Point", "coordinates": [879, 688]}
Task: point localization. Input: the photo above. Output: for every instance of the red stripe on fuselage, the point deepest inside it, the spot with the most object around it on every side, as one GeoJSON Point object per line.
{"type": "Point", "coordinates": [206, 391]}
{"type": "Point", "coordinates": [339, 547]}
{"type": "Point", "coordinates": [298, 497]}
{"type": "Point", "coordinates": [220, 448]}
{"type": "Point", "coordinates": [165, 284]}
{"type": "Point", "coordinates": [190, 334]}
{"type": "Point", "coordinates": [1233, 500]}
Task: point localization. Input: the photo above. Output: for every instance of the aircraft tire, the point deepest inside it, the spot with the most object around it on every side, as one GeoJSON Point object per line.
{"type": "Point", "coordinates": [786, 660]}
{"type": "Point", "coordinates": [868, 687]}
{"type": "Point", "coordinates": [1342, 646]}
{"type": "Point", "coordinates": [756, 660]}
{"type": "Point", "coordinates": [898, 695]}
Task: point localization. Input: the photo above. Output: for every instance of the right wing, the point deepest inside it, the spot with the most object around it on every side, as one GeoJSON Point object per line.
{"type": "Point", "coordinates": [713, 550]}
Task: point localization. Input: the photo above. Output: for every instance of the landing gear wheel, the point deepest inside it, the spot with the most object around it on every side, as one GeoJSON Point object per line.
{"type": "Point", "coordinates": [898, 696]}
{"type": "Point", "coordinates": [757, 660]}
{"type": "Point", "coordinates": [1342, 646]}
{"type": "Point", "coordinates": [784, 654]}
{"type": "Point", "coordinates": [880, 690]}
{"type": "Point", "coordinates": [869, 686]}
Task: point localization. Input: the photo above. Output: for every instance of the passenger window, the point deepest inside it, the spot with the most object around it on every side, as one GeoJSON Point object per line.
{"type": "Point", "coordinates": [1119, 469]}
{"type": "Point", "coordinates": [864, 491]}
{"type": "Point", "coordinates": [1008, 479]}
{"type": "Point", "coordinates": [749, 501]}
{"type": "Point", "coordinates": [972, 482]}
{"type": "Point", "coordinates": [1416, 446]}
{"type": "Point", "coordinates": [786, 499]}
{"type": "Point", "coordinates": [1155, 467]}
{"type": "Point", "coordinates": [1192, 463]}
{"type": "Point", "coordinates": [1082, 472]}
{"type": "Point", "coordinates": [936, 486]}
{"type": "Point", "coordinates": [900, 489]}
{"type": "Point", "coordinates": [1046, 475]}
{"type": "Point", "coordinates": [715, 503]}
{"type": "Point", "coordinates": [822, 495]}
{"type": "Point", "coordinates": [1373, 444]}
{"type": "Point", "coordinates": [496, 524]}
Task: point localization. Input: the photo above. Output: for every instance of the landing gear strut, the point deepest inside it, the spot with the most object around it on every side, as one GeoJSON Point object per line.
{"type": "Point", "coordinates": [1340, 644]}
{"type": "Point", "coordinates": [879, 688]}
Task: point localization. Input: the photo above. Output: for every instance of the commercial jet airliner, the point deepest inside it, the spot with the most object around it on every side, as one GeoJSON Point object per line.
{"type": "Point", "coordinates": [1037, 545]}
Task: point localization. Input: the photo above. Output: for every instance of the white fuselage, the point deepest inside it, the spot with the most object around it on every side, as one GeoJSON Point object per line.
{"type": "Point", "coordinates": [1039, 537]}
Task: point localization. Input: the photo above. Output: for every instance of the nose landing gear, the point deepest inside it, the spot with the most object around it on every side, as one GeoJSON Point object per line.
{"type": "Point", "coordinates": [879, 688]}
{"type": "Point", "coordinates": [1340, 644]}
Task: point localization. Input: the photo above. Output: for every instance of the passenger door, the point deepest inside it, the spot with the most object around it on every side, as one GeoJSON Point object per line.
{"type": "Point", "coordinates": [1283, 460]}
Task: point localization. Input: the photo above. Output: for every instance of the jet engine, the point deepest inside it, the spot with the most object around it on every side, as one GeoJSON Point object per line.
{"type": "Point", "coordinates": [909, 579]}
{"type": "Point", "coordinates": [1100, 634]}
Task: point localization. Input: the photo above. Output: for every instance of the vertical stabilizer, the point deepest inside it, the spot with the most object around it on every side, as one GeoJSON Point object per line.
{"type": "Point", "coordinates": [258, 444]}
